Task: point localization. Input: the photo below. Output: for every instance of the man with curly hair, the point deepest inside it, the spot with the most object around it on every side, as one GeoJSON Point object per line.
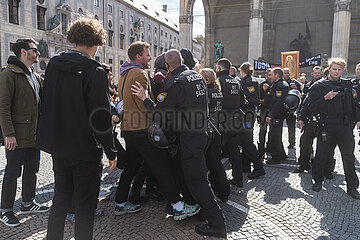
{"type": "Point", "coordinates": [75, 127]}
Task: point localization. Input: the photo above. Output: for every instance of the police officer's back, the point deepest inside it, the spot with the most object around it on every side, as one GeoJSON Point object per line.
{"type": "Point", "coordinates": [335, 100]}
{"type": "Point", "coordinates": [186, 93]}
{"type": "Point", "coordinates": [233, 102]}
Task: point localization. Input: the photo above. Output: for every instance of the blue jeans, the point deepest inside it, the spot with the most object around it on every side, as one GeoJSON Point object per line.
{"type": "Point", "coordinates": [29, 158]}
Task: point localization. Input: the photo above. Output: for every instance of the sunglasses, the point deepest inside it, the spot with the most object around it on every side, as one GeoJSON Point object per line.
{"type": "Point", "coordinates": [34, 49]}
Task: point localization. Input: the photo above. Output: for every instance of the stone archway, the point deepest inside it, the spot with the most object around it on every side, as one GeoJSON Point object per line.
{"type": "Point", "coordinates": [186, 20]}
{"type": "Point", "coordinates": [212, 10]}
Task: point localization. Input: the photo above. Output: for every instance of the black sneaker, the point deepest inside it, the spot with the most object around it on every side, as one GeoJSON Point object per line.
{"type": "Point", "coordinates": [33, 208]}
{"type": "Point", "coordinates": [9, 219]}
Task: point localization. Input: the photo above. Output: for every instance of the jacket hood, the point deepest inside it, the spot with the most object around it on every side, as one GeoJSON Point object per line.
{"type": "Point", "coordinates": [72, 61]}
{"type": "Point", "coordinates": [15, 61]}
{"type": "Point", "coordinates": [188, 58]}
{"type": "Point", "coordinates": [129, 65]}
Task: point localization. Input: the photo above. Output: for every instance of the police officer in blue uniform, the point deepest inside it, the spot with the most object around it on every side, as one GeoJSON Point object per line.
{"type": "Point", "coordinates": [249, 150]}
{"type": "Point", "coordinates": [275, 101]}
{"type": "Point", "coordinates": [183, 110]}
{"type": "Point", "coordinates": [335, 100]}
{"type": "Point", "coordinates": [233, 102]}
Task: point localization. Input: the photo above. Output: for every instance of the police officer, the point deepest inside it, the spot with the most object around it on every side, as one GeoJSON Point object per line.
{"type": "Point", "coordinates": [290, 117]}
{"type": "Point", "coordinates": [186, 93]}
{"type": "Point", "coordinates": [307, 124]}
{"type": "Point", "coordinates": [356, 80]}
{"type": "Point", "coordinates": [217, 175]}
{"type": "Point", "coordinates": [251, 91]}
{"type": "Point", "coordinates": [233, 102]}
{"type": "Point", "coordinates": [336, 102]}
{"type": "Point", "coordinates": [275, 101]}
{"type": "Point", "coordinates": [264, 111]}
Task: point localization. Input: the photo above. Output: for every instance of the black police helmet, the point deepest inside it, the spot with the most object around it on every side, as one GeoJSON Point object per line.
{"type": "Point", "coordinates": [292, 100]}
{"type": "Point", "coordinates": [157, 136]}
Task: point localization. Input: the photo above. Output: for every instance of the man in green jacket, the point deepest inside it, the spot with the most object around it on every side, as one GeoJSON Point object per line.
{"type": "Point", "coordinates": [20, 99]}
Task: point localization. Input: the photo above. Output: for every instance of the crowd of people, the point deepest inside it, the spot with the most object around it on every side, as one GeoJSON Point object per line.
{"type": "Point", "coordinates": [177, 127]}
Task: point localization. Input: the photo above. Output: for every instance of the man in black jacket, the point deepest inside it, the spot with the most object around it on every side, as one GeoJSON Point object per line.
{"type": "Point", "coordinates": [276, 95]}
{"type": "Point", "coordinates": [75, 127]}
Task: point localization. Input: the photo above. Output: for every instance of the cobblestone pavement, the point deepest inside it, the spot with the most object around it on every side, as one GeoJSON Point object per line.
{"type": "Point", "coordinates": [279, 206]}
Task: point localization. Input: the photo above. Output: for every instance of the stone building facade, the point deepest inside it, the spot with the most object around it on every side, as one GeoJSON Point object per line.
{"type": "Point", "coordinates": [125, 21]}
{"type": "Point", "coordinates": [252, 29]}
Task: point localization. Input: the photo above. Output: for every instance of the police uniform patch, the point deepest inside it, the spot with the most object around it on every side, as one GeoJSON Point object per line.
{"type": "Point", "coordinates": [251, 89]}
{"type": "Point", "coordinates": [278, 93]}
{"type": "Point", "coordinates": [161, 97]}
{"type": "Point", "coordinates": [354, 93]}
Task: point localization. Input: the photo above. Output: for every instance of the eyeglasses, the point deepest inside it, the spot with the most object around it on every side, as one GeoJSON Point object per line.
{"type": "Point", "coordinates": [34, 49]}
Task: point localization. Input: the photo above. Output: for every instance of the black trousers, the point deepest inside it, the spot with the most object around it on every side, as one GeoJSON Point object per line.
{"type": "Point", "coordinates": [277, 148]}
{"type": "Point", "coordinates": [341, 135]}
{"type": "Point", "coordinates": [78, 181]}
{"type": "Point", "coordinates": [29, 158]}
{"type": "Point", "coordinates": [291, 122]}
{"type": "Point", "coordinates": [249, 149]}
{"type": "Point", "coordinates": [262, 132]}
{"type": "Point", "coordinates": [306, 142]}
{"type": "Point", "coordinates": [192, 147]}
{"type": "Point", "coordinates": [231, 144]}
{"type": "Point", "coordinates": [217, 175]}
{"type": "Point", "coordinates": [139, 149]}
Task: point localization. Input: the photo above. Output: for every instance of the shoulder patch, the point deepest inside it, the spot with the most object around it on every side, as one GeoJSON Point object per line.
{"type": "Point", "coordinates": [161, 97]}
{"type": "Point", "coordinates": [278, 93]}
{"type": "Point", "coordinates": [354, 93]}
{"type": "Point", "coordinates": [251, 89]}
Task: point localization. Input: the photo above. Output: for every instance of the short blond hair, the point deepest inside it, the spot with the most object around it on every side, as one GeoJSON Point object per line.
{"type": "Point", "coordinates": [357, 65]}
{"type": "Point", "coordinates": [338, 61]}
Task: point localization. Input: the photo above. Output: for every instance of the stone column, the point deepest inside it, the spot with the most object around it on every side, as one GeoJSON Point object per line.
{"type": "Point", "coordinates": [256, 30]}
{"type": "Point", "coordinates": [341, 29]}
{"type": "Point", "coordinates": [186, 31]}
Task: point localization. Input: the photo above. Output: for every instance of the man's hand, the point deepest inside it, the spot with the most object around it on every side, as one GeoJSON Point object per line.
{"type": "Point", "coordinates": [293, 86]}
{"type": "Point", "coordinates": [268, 119]}
{"type": "Point", "coordinates": [138, 90]}
{"type": "Point", "coordinates": [112, 164]}
{"type": "Point", "coordinates": [300, 124]}
{"type": "Point", "coordinates": [330, 95]}
{"type": "Point", "coordinates": [10, 143]}
{"type": "Point", "coordinates": [265, 86]}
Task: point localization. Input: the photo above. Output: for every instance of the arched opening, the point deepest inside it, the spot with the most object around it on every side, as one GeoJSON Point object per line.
{"type": "Point", "coordinates": [202, 18]}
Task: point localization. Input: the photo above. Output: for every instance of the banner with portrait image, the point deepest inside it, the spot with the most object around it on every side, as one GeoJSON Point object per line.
{"type": "Point", "coordinates": [291, 61]}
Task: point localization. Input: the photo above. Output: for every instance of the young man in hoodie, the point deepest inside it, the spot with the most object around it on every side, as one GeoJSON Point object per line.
{"type": "Point", "coordinates": [20, 98]}
{"type": "Point", "coordinates": [75, 127]}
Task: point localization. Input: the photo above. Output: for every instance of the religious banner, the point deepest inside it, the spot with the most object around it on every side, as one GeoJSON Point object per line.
{"type": "Point", "coordinates": [263, 66]}
{"type": "Point", "coordinates": [311, 61]}
{"type": "Point", "coordinates": [290, 60]}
